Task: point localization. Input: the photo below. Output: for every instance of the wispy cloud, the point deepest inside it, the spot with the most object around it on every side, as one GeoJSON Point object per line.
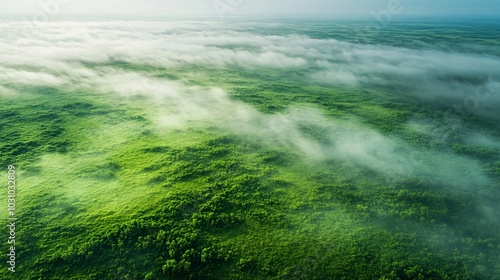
{"type": "Point", "coordinates": [59, 55]}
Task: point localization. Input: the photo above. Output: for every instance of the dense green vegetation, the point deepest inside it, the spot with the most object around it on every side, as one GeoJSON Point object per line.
{"type": "Point", "coordinates": [105, 192]}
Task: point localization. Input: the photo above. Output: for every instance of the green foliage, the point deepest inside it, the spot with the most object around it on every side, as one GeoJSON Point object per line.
{"type": "Point", "coordinates": [106, 194]}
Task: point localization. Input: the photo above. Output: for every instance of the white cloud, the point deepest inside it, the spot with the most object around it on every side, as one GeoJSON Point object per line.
{"type": "Point", "coordinates": [6, 92]}
{"type": "Point", "coordinates": [11, 76]}
{"type": "Point", "coordinates": [60, 54]}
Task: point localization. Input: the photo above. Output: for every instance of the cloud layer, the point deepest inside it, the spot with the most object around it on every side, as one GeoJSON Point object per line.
{"type": "Point", "coordinates": [62, 55]}
{"type": "Point", "coordinates": [423, 73]}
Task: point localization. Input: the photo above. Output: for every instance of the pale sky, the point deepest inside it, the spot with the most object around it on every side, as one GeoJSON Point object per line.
{"type": "Point", "coordinates": [61, 9]}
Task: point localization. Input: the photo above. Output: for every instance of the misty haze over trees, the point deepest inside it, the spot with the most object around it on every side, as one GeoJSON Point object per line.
{"type": "Point", "coordinates": [253, 149]}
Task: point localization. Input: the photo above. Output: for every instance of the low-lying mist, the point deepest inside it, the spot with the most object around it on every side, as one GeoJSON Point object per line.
{"type": "Point", "coordinates": [81, 55]}
{"type": "Point", "coordinates": [425, 73]}
{"type": "Point", "coordinates": [304, 131]}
